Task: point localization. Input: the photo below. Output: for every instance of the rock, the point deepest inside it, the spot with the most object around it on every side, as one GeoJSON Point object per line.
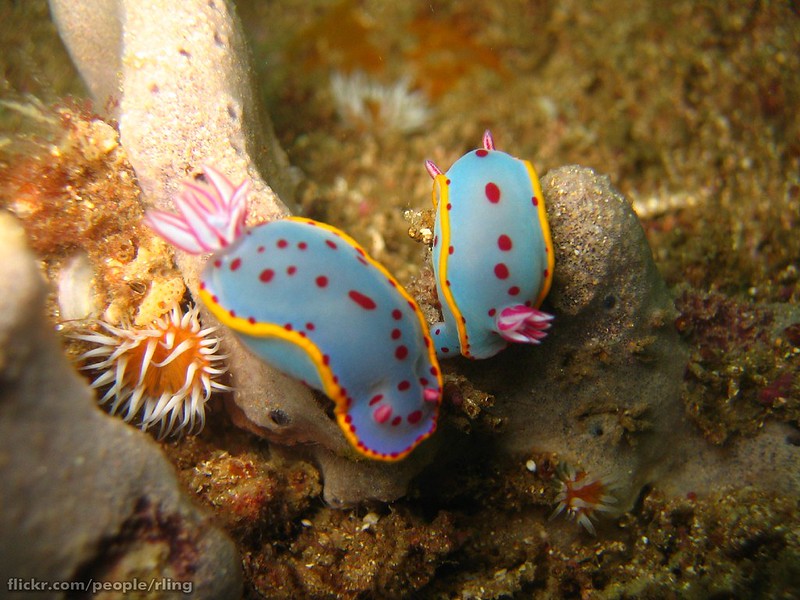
{"type": "Point", "coordinates": [603, 389]}
{"type": "Point", "coordinates": [84, 495]}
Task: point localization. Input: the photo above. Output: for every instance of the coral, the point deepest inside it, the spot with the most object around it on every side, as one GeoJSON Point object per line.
{"type": "Point", "coordinates": [387, 555]}
{"type": "Point", "coordinates": [58, 182]}
{"type": "Point", "coordinates": [161, 375]}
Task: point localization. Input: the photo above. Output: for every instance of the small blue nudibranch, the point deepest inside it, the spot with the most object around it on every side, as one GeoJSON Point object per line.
{"type": "Point", "coordinates": [492, 253]}
{"type": "Point", "coordinates": [306, 298]}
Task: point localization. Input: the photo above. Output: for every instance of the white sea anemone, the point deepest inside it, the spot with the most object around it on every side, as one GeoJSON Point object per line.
{"type": "Point", "coordinates": [162, 375]}
{"type": "Point", "coordinates": [364, 102]}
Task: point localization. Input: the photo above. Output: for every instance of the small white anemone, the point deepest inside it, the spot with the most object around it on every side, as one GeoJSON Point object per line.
{"type": "Point", "coordinates": [364, 102]}
{"type": "Point", "coordinates": [162, 375]}
{"type": "Point", "coordinates": [76, 294]}
{"type": "Point", "coordinates": [582, 496]}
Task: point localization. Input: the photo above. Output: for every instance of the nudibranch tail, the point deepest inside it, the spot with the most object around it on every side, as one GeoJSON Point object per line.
{"type": "Point", "coordinates": [211, 216]}
{"type": "Point", "coordinates": [523, 324]}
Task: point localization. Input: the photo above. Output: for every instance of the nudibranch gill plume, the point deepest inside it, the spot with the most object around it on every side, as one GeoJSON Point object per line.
{"type": "Point", "coordinates": [307, 299]}
{"type": "Point", "coordinates": [492, 253]}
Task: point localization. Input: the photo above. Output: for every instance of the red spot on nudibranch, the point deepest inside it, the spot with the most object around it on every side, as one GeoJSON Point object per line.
{"type": "Point", "coordinates": [321, 281]}
{"type": "Point", "coordinates": [504, 243]}
{"type": "Point", "coordinates": [251, 320]}
{"type": "Point", "coordinates": [397, 315]}
{"type": "Point", "coordinates": [492, 192]}
{"type": "Point", "coordinates": [310, 326]}
{"type": "Point", "coordinates": [331, 244]}
{"type": "Point", "coordinates": [396, 334]}
{"type": "Point", "coordinates": [218, 263]}
{"type": "Point", "coordinates": [403, 385]}
{"type": "Point", "coordinates": [375, 399]}
{"type": "Point", "coordinates": [414, 417]}
{"type": "Point", "coordinates": [291, 270]}
{"type": "Point", "coordinates": [397, 420]}
{"type": "Point", "coordinates": [363, 301]}
{"type": "Point", "coordinates": [535, 201]}
{"type": "Point", "coordinates": [501, 271]}
{"type": "Point", "coordinates": [450, 250]}
{"type": "Point", "coordinates": [481, 152]}
{"type": "Point", "coordinates": [492, 312]}
{"type": "Point", "coordinates": [401, 353]}
{"type": "Point", "coordinates": [282, 243]}
{"type": "Point", "coordinates": [261, 249]}
{"type": "Point", "coordinates": [513, 290]}
{"type": "Point", "coordinates": [266, 275]}
{"type": "Point", "coordinates": [302, 245]}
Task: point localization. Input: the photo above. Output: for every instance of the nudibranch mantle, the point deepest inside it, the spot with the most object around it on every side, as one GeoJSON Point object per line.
{"type": "Point", "coordinates": [492, 253]}
{"type": "Point", "coordinates": [307, 299]}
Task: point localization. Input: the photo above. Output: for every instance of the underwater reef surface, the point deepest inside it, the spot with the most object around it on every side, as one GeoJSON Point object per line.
{"type": "Point", "coordinates": [670, 378]}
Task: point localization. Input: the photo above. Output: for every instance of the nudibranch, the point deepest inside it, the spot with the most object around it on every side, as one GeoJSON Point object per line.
{"type": "Point", "coordinates": [492, 253]}
{"type": "Point", "coordinates": [307, 299]}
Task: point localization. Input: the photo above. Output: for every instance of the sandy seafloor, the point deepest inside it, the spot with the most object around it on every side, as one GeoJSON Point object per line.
{"type": "Point", "coordinates": [691, 108]}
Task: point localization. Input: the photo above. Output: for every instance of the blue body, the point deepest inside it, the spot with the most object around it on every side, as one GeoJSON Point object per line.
{"type": "Point", "coordinates": [307, 299]}
{"type": "Point", "coordinates": [491, 249]}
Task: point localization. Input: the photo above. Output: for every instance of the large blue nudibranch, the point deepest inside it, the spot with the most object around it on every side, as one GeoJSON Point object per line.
{"type": "Point", "coordinates": [492, 253]}
{"type": "Point", "coordinates": [307, 299]}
